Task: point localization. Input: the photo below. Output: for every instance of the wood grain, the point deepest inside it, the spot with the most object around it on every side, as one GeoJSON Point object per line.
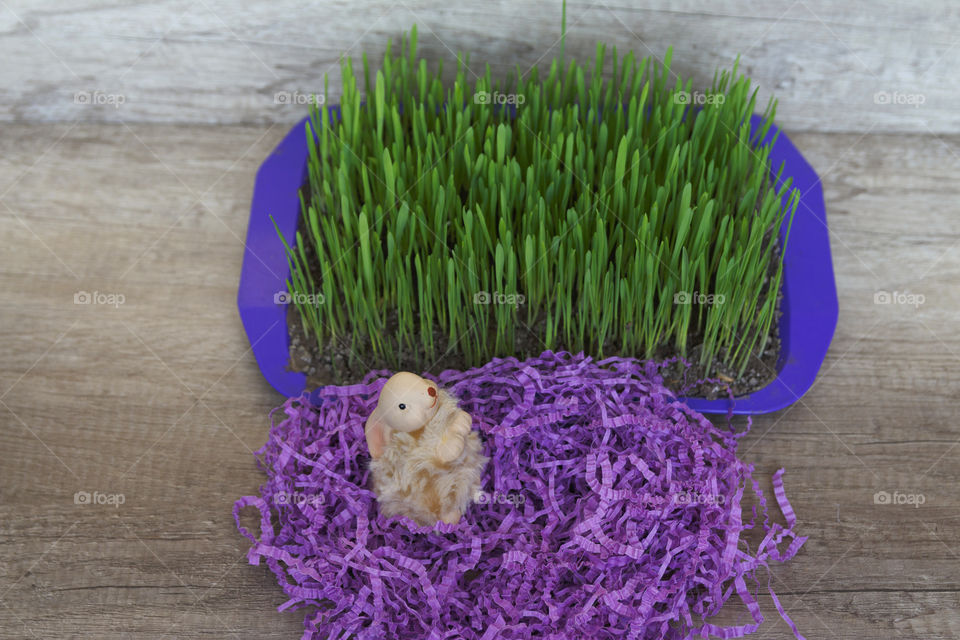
{"type": "Point", "coordinates": [831, 64]}
{"type": "Point", "coordinates": [160, 400]}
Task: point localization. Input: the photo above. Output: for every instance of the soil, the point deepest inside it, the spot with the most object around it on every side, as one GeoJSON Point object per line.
{"type": "Point", "coordinates": [338, 362]}
{"type": "Point", "coordinates": [348, 359]}
{"type": "Point", "coordinates": [759, 372]}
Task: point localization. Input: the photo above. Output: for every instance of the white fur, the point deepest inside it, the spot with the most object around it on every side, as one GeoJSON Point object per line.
{"type": "Point", "coordinates": [410, 480]}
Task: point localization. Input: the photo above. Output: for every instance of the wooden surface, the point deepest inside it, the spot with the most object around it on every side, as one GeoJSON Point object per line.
{"type": "Point", "coordinates": [218, 61]}
{"type": "Point", "coordinates": [158, 399]}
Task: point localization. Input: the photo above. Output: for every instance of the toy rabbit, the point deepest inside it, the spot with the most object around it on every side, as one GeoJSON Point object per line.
{"type": "Point", "coordinates": [426, 460]}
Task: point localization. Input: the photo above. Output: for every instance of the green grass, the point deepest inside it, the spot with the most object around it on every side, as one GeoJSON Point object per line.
{"type": "Point", "coordinates": [603, 203]}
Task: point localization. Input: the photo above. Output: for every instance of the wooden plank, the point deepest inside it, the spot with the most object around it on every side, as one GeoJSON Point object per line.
{"type": "Point", "coordinates": [834, 66]}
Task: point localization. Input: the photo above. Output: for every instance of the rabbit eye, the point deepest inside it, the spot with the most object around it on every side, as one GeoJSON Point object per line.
{"type": "Point", "coordinates": [402, 406]}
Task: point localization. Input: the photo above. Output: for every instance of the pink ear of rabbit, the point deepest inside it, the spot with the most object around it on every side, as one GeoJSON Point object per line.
{"type": "Point", "coordinates": [376, 433]}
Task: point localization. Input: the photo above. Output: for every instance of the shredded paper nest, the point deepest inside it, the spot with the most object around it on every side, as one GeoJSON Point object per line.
{"type": "Point", "coordinates": [609, 510]}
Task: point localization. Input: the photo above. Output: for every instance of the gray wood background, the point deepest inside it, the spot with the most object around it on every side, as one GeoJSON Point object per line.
{"type": "Point", "coordinates": [834, 65]}
{"type": "Point", "coordinates": [144, 192]}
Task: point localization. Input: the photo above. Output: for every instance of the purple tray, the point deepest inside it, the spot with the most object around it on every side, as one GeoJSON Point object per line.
{"type": "Point", "coordinates": [809, 302]}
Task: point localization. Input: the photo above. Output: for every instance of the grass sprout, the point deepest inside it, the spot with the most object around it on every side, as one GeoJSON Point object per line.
{"type": "Point", "coordinates": [603, 207]}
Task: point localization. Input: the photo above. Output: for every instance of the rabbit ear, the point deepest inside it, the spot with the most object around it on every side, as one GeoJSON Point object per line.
{"type": "Point", "coordinates": [377, 433]}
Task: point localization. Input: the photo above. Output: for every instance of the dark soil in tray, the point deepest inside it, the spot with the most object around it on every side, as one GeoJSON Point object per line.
{"type": "Point", "coordinates": [338, 363]}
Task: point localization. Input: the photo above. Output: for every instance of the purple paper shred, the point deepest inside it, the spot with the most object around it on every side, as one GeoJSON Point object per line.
{"type": "Point", "coordinates": [610, 510]}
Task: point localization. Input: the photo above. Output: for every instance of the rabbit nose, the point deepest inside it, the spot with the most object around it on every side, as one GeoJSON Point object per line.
{"type": "Point", "coordinates": [431, 392]}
